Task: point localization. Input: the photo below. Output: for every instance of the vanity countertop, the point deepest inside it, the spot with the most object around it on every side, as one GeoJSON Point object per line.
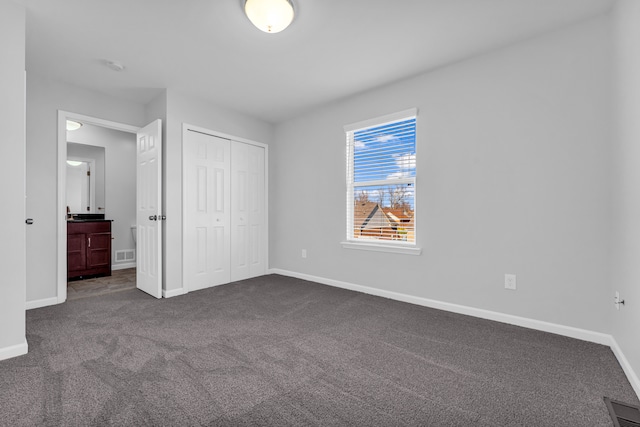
{"type": "Point", "coordinates": [89, 220]}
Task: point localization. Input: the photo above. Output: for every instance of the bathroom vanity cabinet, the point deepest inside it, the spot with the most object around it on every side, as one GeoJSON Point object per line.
{"type": "Point", "coordinates": [88, 248]}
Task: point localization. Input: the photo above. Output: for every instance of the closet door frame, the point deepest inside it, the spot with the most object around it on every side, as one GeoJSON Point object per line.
{"type": "Point", "coordinates": [187, 128]}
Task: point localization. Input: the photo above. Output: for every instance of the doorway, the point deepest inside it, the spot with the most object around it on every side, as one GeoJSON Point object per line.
{"type": "Point", "coordinates": [98, 207]}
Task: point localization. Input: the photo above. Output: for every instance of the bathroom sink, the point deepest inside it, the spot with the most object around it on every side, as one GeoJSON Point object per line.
{"type": "Point", "coordinates": [87, 217]}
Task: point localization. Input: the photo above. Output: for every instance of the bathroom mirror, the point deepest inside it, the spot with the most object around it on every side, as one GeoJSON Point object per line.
{"type": "Point", "coordinates": [85, 179]}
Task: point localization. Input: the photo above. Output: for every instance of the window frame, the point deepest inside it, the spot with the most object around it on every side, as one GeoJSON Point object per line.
{"type": "Point", "coordinates": [378, 245]}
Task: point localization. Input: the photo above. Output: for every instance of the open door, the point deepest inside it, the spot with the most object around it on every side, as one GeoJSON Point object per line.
{"type": "Point", "coordinates": [149, 205]}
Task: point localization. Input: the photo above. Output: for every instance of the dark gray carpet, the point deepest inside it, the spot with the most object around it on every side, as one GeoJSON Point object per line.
{"type": "Point", "coordinates": [281, 351]}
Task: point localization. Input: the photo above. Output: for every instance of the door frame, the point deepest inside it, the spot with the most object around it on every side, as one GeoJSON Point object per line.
{"type": "Point", "coordinates": [62, 186]}
{"type": "Point", "coordinates": [186, 128]}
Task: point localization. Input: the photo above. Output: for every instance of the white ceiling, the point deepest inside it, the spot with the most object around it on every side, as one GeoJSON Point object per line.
{"type": "Point", "coordinates": [333, 49]}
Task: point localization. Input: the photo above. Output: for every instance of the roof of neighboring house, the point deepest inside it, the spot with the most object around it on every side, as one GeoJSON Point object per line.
{"type": "Point", "coordinates": [368, 215]}
{"type": "Point", "coordinates": [362, 211]}
{"type": "Point", "coordinates": [399, 214]}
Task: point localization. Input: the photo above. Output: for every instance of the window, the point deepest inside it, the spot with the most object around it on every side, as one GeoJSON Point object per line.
{"type": "Point", "coordinates": [381, 180]}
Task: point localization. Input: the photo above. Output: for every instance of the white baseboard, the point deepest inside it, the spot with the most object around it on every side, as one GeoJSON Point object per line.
{"type": "Point", "coordinates": [42, 303]}
{"type": "Point", "coordinates": [567, 331]}
{"type": "Point", "coordinates": [626, 367]}
{"type": "Point", "coordinates": [173, 292]}
{"type": "Point", "coordinates": [14, 350]}
{"type": "Point", "coordinates": [122, 266]}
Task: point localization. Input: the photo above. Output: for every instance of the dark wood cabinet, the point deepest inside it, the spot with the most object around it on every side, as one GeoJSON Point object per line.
{"type": "Point", "coordinates": [88, 248]}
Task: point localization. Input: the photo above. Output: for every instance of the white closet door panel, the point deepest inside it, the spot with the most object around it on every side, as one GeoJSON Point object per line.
{"type": "Point", "coordinates": [220, 255]}
{"type": "Point", "coordinates": [207, 219]}
{"type": "Point", "coordinates": [221, 200]}
{"type": "Point", "coordinates": [247, 211]}
{"type": "Point", "coordinates": [240, 240]}
{"type": "Point", "coordinates": [224, 237]}
{"type": "Point", "coordinates": [255, 249]}
{"type": "Point", "coordinates": [257, 266]}
{"type": "Point", "coordinates": [239, 214]}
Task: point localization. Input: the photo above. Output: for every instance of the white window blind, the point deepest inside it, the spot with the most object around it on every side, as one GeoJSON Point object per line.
{"type": "Point", "coordinates": [381, 179]}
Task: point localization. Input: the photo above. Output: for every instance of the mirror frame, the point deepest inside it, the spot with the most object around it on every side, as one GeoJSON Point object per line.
{"type": "Point", "coordinates": [92, 183]}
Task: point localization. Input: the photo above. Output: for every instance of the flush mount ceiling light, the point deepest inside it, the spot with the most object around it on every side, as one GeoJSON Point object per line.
{"type": "Point", "coordinates": [72, 125]}
{"type": "Point", "coordinates": [270, 16]}
{"type": "Point", "coordinates": [73, 163]}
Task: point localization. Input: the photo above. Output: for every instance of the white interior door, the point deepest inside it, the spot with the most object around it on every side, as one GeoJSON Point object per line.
{"type": "Point", "coordinates": [247, 211]}
{"type": "Point", "coordinates": [149, 205]}
{"type": "Point", "coordinates": [206, 241]}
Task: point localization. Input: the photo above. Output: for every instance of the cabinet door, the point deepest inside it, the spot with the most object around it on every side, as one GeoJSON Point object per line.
{"type": "Point", "coordinates": [76, 252]}
{"type": "Point", "coordinates": [98, 250]}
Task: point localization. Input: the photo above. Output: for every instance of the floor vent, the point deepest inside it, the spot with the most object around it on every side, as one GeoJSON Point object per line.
{"type": "Point", "coordinates": [125, 255]}
{"type": "Point", "coordinates": [623, 414]}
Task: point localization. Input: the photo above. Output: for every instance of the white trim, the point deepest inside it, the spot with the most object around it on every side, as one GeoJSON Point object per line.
{"type": "Point", "coordinates": [41, 303]}
{"type": "Point", "coordinates": [186, 127]}
{"type": "Point", "coordinates": [62, 188]}
{"type": "Point", "coordinates": [14, 350]}
{"type": "Point", "coordinates": [123, 266]}
{"type": "Point", "coordinates": [98, 122]}
{"type": "Point", "coordinates": [173, 292]}
{"type": "Point", "coordinates": [379, 121]}
{"type": "Point", "coordinates": [567, 331]}
{"type": "Point", "coordinates": [632, 376]}
{"type": "Point", "coordinates": [376, 247]}
{"type": "Point", "coordinates": [183, 200]}
{"type": "Point", "coordinates": [351, 185]}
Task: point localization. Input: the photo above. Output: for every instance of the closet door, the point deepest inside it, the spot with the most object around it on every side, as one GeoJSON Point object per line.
{"type": "Point", "coordinates": [248, 237]}
{"type": "Point", "coordinates": [207, 211]}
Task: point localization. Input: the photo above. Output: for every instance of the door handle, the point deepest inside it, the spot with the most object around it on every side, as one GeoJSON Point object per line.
{"type": "Point", "coordinates": [89, 241]}
{"type": "Point", "coordinates": [29, 221]}
{"type": "Point", "coordinates": [153, 217]}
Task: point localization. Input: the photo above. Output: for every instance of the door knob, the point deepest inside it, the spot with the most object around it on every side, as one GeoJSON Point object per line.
{"type": "Point", "coordinates": [153, 217]}
{"type": "Point", "coordinates": [29, 221]}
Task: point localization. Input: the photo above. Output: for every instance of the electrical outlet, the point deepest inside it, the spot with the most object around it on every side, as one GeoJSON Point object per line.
{"type": "Point", "coordinates": [510, 281]}
{"type": "Point", "coordinates": [304, 253]}
{"type": "Point", "coordinates": [616, 300]}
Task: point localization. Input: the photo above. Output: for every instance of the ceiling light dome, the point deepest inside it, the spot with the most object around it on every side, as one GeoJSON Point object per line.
{"type": "Point", "coordinates": [73, 125]}
{"type": "Point", "coordinates": [270, 16]}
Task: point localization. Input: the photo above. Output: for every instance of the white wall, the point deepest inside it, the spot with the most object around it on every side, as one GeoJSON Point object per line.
{"type": "Point", "coordinates": [187, 109]}
{"type": "Point", "coordinates": [44, 98]}
{"type": "Point", "coordinates": [12, 171]}
{"type": "Point", "coordinates": [625, 276]}
{"type": "Point", "coordinates": [513, 177]}
{"type": "Point", "coordinates": [119, 180]}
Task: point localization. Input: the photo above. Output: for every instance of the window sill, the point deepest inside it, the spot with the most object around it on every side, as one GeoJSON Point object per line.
{"type": "Point", "coordinates": [377, 247]}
